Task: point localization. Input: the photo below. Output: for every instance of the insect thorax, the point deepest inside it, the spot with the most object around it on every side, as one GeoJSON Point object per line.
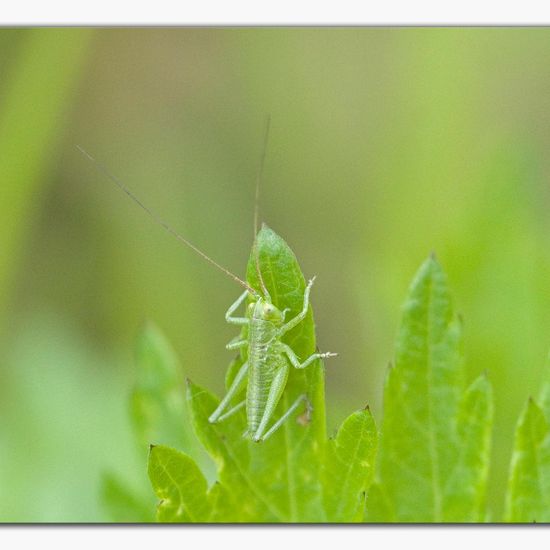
{"type": "Point", "coordinates": [262, 310]}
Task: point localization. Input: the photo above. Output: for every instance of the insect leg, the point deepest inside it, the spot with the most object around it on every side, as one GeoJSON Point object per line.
{"type": "Point", "coordinates": [301, 316]}
{"type": "Point", "coordinates": [232, 411]}
{"type": "Point", "coordinates": [275, 391]}
{"type": "Point", "coordinates": [232, 309]}
{"type": "Point", "coordinates": [236, 343]}
{"type": "Point", "coordinates": [293, 358]}
{"type": "Point", "coordinates": [281, 420]}
{"type": "Point", "coordinates": [231, 392]}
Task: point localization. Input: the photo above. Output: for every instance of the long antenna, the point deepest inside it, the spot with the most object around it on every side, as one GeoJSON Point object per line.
{"type": "Point", "coordinates": [257, 208]}
{"type": "Point", "coordinates": [162, 223]}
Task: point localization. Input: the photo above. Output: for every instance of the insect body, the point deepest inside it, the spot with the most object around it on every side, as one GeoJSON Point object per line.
{"type": "Point", "coordinates": [267, 367]}
{"type": "Point", "coordinates": [266, 370]}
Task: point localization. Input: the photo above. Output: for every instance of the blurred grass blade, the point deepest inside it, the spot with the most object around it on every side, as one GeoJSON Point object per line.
{"type": "Point", "coordinates": [180, 485]}
{"type": "Point", "coordinates": [349, 467]}
{"type": "Point", "coordinates": [34, 107]}
{"type": "Point", "coordinates": [429, 448]}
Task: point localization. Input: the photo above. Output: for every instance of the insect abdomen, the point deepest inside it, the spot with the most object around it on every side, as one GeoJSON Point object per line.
{"type": "Point", "coordinates": [263, 362]}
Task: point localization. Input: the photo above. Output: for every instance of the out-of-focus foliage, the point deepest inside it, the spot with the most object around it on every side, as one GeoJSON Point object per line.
{"type": "Point", "coordinates": [385, 144]}
{"type": "Point", "coordinates": [434, 449]}
{"type": "Point", "coordinates": [158, 413]}
{"type": "Point", "coordinates": [528, 498]}
{"type": "Point", "coordinates": [158, 408]}
{"type": "Point", "coordinates": [122, 505]}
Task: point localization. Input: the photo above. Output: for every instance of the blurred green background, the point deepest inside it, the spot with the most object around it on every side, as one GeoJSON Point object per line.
{"type": "Point", "coordinates": [386, 144]}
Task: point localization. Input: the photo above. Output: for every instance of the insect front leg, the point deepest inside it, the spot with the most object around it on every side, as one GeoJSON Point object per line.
{"type": "Point", "coordinates": [301, 316]}
{"type": "Point", "coordinates": [235, 387]}
{"type": "Point", "coordinates": [236, 343]}
{"type": "Point", "coordinates": [293, 358]}
{"type": "Point", "coordinates": [229, 315]}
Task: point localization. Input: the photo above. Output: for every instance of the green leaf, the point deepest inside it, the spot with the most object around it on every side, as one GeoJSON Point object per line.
{"type": "Point", "coordinates": [349, 467]}
{"type": "Point", "coordinates": [158, 407]}
{"type": "Point", "coordinates": [277, 480]}
{"type": "Point", "coordinates": [249, 499]}
{"type": "Point", "coordinates": [180, 485]}
{"type": "Point", "coordinates": [466, 488]}
{"type": "Point", "coordinates": [528, 498]}
{"type": "Point", "coordinates": [122, 505]}
{"type": "Point", "coordinates": [434, 440]}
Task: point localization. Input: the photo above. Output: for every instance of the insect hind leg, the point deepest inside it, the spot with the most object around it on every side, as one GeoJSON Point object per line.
{"type": "Point", "coordinates": [237, 385]}
{"type": "Point", "coordinates": [275, 392]}
{"type": "Point", "coordinates": [283, 418]}
{"type": "Point", "coordinates": [232, 411]}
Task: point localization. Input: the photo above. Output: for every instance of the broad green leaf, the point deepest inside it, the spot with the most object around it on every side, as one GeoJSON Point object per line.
{"type": "Point", "coordinates": [349, 467]}
{"type": "Point", "coordinates": [433, 443]}
{"type": "Point", "coordinates": [180, 485]}
{"type": "Point", "coordinates": [277, 480]}
{"type": "Point", "coordinates": [158, 407]}
{"type": "Point", "coordinates": [528, 497]}
{"type": "Point", "coordinates": [122, 505]}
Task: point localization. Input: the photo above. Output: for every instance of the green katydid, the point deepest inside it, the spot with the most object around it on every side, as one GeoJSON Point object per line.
{"type": "Point", "coordinates": [265, 372]}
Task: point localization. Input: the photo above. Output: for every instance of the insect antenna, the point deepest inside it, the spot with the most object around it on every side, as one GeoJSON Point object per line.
{"type": "Point", "coordinates": [162, 223]}
{"type": "Point", "coordinates": [257, 208]}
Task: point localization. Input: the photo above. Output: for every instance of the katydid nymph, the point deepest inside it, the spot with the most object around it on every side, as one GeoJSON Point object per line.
{"type": "Point", "coordinates": [265, 372]}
